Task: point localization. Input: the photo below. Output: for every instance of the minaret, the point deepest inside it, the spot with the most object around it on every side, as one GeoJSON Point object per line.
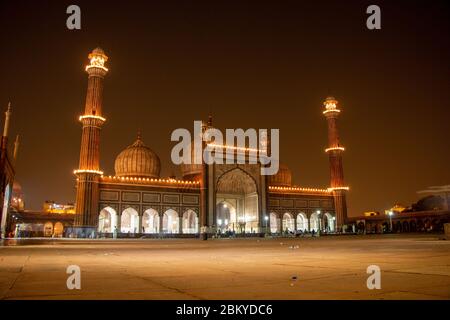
{"type": "Point", "coordinates": [4, 141]}
{"type": "Point", "coordinates": [89, 172]}
{"type": "Point", "coordinates": [16, 148]}
{"type": "Point", "coordinates": [204, 203]}
{"type": "Point", "coordinates": [335, 151]}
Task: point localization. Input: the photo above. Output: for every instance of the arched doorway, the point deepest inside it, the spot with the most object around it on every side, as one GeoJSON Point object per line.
{"type": "Point", "coordinates": [170, 221]}
{"type": "Point", "coordinates": [226, 215]}
{"type": "Point", "coordinates": [288, 222]}
{"type": "Point", "coordinates": [58, 230]}
{"type": "Point", "coordinates": [314, 222]}
{"type": "Point", "coordinates": [48, 229]}
{"type": "Point", "coordinates": [150, 221]}
{"type": "Point", "coordinates": [302, 222]}
{"type": "Point", "coordinates": [329, 222]}
{"type": "Point", "coordinates": [129, 222]}
{"type": "Point", "coordinates": [190, 222]}
{"type": "Point", "coordinates": [237, 190]}
{"type": "Point", "coordinates": [107, 220]}
{"type": "Point", "coordinates": [274, 225]}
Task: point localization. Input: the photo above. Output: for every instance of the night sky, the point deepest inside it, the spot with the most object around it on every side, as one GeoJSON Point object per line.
{"type": "Point", "coordinates": [250, 64]}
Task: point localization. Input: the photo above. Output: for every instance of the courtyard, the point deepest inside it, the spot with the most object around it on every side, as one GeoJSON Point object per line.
{"type": "Point", "coordinates": [328, 267]}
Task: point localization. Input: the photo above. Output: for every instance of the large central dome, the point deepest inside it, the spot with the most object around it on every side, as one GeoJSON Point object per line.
{"type": "Point", "coordinates": [137, 160]}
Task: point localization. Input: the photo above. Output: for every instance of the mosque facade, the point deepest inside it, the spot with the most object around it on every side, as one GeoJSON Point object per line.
{"type": "Point", "coordinates": [208, 199]}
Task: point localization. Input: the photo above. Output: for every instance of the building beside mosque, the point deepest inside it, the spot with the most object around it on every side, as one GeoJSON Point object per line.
{"type": "Point", "coordinates": [53, 220]}
{"type": "Point", "coordinates": [7, 173]}
{"type": "Point", "coordinates": [136, 200]}
{"type": "Point", "coordinates": [429, 214]}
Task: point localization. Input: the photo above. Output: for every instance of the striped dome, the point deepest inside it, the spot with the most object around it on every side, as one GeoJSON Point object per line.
{"type": "Point", "coordinates": [283, 178]}
{"type": "Point", "coordinates": [137, 160]}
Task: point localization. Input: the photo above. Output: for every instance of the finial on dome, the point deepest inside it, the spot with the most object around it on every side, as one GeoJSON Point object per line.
{"type": "Point", "coordinates": [210, 121]}
{"type": "Point", "coordinates": [139, 135]}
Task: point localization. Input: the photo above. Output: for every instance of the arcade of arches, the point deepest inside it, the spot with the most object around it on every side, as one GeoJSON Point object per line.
{"type": "Point", "coordinates": [229, 218]}
{"type": "Point", "coordinates": [289, 222]}
{"type": "Point", "coordinates": [53, 230]}
{"type": "Point", "coordinates": [151, 221]}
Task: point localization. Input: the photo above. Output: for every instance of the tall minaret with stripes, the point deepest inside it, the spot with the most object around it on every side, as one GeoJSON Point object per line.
{"type": "Point", "coordinates": [88, 172]}
{"type": "Point", "coordinates": [335, 151]}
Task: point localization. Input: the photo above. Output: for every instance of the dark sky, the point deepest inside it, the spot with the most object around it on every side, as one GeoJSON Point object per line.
{"type": "Point", "coordinates": [250, 64]}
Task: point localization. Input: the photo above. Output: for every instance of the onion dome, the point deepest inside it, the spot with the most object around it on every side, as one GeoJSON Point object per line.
{"type": "Point", "coordinates": [191, 171]}
{"type": "Point", "coordinates": [283, 178]}
{"type": "Point", "coordinates": [137, 160]}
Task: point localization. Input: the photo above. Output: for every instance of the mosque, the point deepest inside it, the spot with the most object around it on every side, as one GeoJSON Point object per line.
{"type": "Point", "coordinates": [210, 198]}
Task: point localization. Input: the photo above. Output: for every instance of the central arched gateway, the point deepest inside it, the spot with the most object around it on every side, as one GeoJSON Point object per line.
{"type": "Point", "coordinates": [237, 202]}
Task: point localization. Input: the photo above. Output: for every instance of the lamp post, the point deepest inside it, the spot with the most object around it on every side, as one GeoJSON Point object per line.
{"type": "Point", "coordinates": [266, 218]}
{"type": "Point", "coordinates": [242, 224]}
{"type": "Point", "coordinates": [391, 213]}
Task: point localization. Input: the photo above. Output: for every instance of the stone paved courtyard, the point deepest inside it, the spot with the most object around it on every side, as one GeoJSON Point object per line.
{"type": "Point", "coordinates": [412, 267]}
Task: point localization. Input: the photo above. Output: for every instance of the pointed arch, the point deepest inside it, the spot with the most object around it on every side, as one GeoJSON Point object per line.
{"type": "Point", "coordinates": [302, 222]}
{"type": "Point", "coordinates": [129, 221]}
{"type": "Point", "coordinates": [329, 222]}
{"type": "Point", "coordinates": [274, 223]}
{"type": "Point", "coordinates": [190, 222]}
{"type": "Point", "coordinates": [238, 190]}
{"type": "Point", "coordinates": [150, 221]}
{"type": "Point", "coordinates": [107, 220]}
{"type": "Point", "coordinates": [314, 222]}
{"type": "Point", "coordinates": [170, 221]}
{"type": "Point", "coordinates": [288, 222]}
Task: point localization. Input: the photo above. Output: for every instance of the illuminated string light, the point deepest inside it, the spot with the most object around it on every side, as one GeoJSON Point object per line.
{"type": "Point", "coordinates": [331, 110]}
{"type": "Point", "coordinates": [219, 146]}
{"type": "Point", "coordinates": [338, 188]}
{"type": "Point", "coordinates": [298, 189]}
{"type": "Point", "coordinates": [88, 171]}
{"type": "Point", "coordinates": [151, 180]}
{"type": "Point", "coordinates": [334, 149]}
{"type": "Point", "coordinates": [92, 117]}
